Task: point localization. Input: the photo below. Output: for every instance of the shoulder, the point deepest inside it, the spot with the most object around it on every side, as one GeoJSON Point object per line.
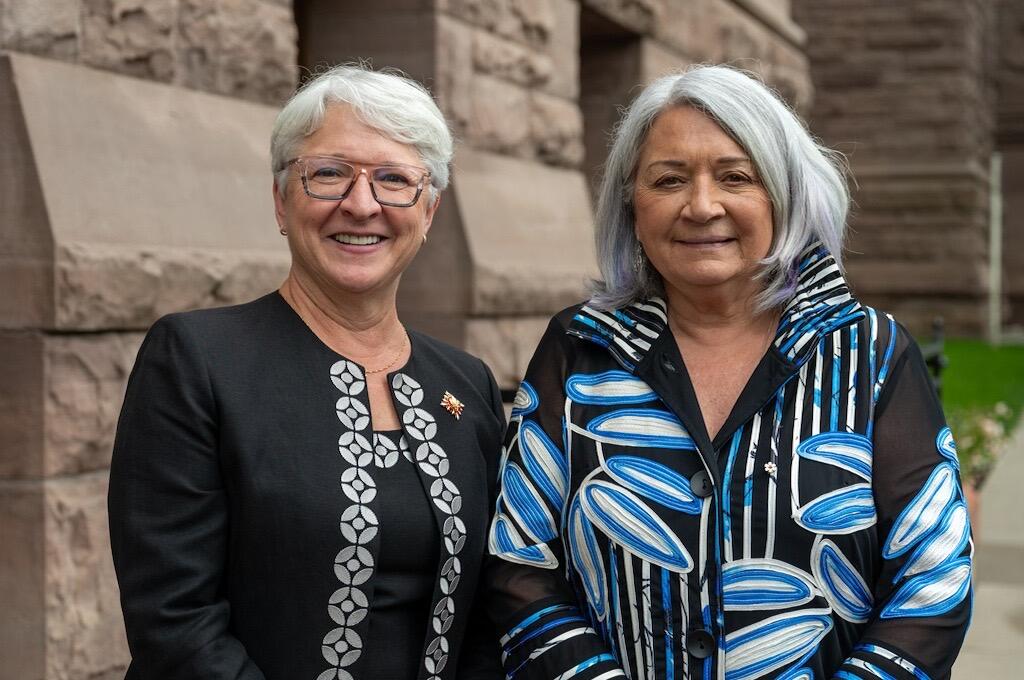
{"type": "Point", "coordinates": [218, 320]}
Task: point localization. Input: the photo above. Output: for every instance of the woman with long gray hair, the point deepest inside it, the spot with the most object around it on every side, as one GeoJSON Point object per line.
{"type": "Point", "coordinates": [723, 465]}
{"type": "Point", "coordinates": [300, 485]}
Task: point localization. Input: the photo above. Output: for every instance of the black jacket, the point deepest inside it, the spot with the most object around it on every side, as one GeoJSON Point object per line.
{"type": "Point", "coordinates": [242, 499]}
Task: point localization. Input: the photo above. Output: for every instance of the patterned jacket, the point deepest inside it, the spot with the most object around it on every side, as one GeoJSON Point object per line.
{"type": "Point", "coordinates": [822, 532]}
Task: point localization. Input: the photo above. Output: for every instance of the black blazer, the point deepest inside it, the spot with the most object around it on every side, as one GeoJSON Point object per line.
{"type": "Point", "coordinates": [242, 499]}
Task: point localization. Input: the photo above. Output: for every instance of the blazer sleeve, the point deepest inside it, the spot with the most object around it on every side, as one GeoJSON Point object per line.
{"type": "Point", "coordinates": [544, 632]}
{"type": "Point", "coordinates": [480, 652]}
{"type": "Point", "coordinates": [923, 591]}
{"type": "Point", "coordinates": [168, 517]}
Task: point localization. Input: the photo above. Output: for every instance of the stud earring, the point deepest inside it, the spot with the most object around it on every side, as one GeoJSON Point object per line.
{"type": "Point", "coordinates": [424, 237]}
{"type": "Point", "coordinates": [639, 259]}
{"type": "Point", "coordinates": [284, 232]}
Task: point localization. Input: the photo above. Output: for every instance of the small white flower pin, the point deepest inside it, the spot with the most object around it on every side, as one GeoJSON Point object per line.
{"type": "Point", "coordinates": [771, 468]}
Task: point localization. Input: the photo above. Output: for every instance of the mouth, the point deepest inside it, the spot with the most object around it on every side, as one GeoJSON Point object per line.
{"type": "Point", "coordinates": [358, 239]}
{"type": "Point", "coordinates": [707, 241]}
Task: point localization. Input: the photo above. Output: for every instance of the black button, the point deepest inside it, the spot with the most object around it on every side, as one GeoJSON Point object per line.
{"type": "Point", "coordinates": [700, 484]}
{"type": "Point", "coordinates": [666, 363]}
{"type": "Point", "coordinates": [700, 643]}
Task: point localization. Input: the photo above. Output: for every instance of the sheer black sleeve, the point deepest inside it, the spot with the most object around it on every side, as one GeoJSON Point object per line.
{"type": "Point", "coordinates": [923, 590]}
{"type": "Point", "coordinates": [168, 517]}
{"type": "Point", "coordinates": [544, 633]}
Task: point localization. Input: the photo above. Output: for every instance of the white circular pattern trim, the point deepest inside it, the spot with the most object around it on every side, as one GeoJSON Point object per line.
{"type": "Point", "coordinates": [353, 566]}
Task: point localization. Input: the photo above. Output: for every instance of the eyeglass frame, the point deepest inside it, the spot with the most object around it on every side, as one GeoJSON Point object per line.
{"type": "Point", "coordinates": [362, 170]}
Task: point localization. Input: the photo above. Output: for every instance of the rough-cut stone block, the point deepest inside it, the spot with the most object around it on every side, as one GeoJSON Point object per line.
{"type": "Point", "coordinates": [506, 344]}
{"type": "Point", "coordinates": [454, 77]}
{"type": "Point", "coordinates": [564, 50]}
{"type": "Point", "coordinates": [129, 36]}
{"type": "Point", "coordinates": [556, 130]}
{"type": "Point", "coordinates": [22, 580]}
{"type": "Point", "coordinates": [500, 118]}
{"type": "Point", "coordinates": [528, 21]}
{"type": "Point", "coordinates": [257, 51]}
{"type": "Point", "coordinates": [639, 16]}
{"type": "Point", "coordinates": [84, 630]}
{"type": "Point", "coordinates": [529, 232]}
{"type": "Point", "coordinates": [509, 60]}
{"type": "Point", "coordinates": [45, 27]}
{"type": "Point", "coordinates": [22, 424]}
{"type": "Point", "coordinates": [148, 198]}
{"type": "Point", "coordinates": [656, 60]}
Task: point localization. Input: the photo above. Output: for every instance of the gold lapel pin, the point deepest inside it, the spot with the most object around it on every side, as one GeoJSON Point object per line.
{"type": "Point", "coordinates": [452, 405]}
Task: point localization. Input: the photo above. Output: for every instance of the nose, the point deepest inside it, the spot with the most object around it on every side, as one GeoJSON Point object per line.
{"type": "Point", "coordinates": [702, 204]}
{"type": "Point", "coordinates": [360, 203]}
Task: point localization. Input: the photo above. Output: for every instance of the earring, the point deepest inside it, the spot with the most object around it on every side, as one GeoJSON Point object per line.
{"type": "Point", "coordinates": [639, 259]}
{"type": "Point", "coordinates": [284, 232]}
{"type": "Point", "coordinates": [424, 237]}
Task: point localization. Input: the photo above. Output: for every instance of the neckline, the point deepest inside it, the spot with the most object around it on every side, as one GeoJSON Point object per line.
{"type": "Point", "coordinates": [308, 332]}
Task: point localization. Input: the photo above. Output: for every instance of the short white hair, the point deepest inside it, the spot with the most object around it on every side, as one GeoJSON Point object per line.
{"type": "Point", "coordinates": [805, 181]}
{"type": "Point", "coordinates": [387, 101]}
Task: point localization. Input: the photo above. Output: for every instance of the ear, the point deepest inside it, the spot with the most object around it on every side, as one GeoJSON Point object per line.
{"type": "Point", "coordinates": [279, 211]}
{"type": "Point", "coordinates": [428, 218]}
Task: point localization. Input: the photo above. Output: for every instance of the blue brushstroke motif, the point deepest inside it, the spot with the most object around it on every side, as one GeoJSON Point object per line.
{"type": "Point", "coordinates": [944, 543]}
{"type": "Point", "coordinates": [760, 648]}
{"type": "Point", "coordinates": [842, 584]}
{"type": "Point", "coordinates": [506, 543]}
{"type": "Point", "coordinates": [763, 584]}
{"type": "Point", "coordinates": [923, 512]}
{"type": "Point", "coordinates": [841, 511]}
{"type": "Point", "coordinates": [654, 481]}
{"type": "Point", "coordinates": [609, 387]}
{"type": "Point", "coordinates": [544, 462]}
{"type": "Point", "coordinates": [587, 558]}
{"type": "Point", "coordinates": [525, 504]}
{"type": "Point", "coordinates": [526, 400]}
{"type": "Point", "coordinates": [642, 427]}
{"type": "Point", "coordinates": [846, 450]}
{"type": "Point", "coordinates": [947, 447]}
{"type": "Point", "coordinates": [932, 593]}
{"type": "Point", "coordinates": [630, 523]}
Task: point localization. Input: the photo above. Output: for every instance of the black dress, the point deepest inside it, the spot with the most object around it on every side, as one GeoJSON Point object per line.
{"type": "Point", "coordinates": [249, 504]}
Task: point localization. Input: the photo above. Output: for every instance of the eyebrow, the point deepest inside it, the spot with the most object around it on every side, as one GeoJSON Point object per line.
{"type": "Point", "coordinates": [721, 160]}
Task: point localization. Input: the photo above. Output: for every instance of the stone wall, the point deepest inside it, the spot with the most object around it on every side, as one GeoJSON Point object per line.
{"type": "Point", "coordinates": [904, 89]}
{"type": "Point", "coordinates": [1010, 143]}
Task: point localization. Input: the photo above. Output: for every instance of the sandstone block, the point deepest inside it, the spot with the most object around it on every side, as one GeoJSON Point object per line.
{"type": "Point", "coordinates": [564, 50]}
{"type": "Point", "coordinates": [556, 130]}
{"type": "Point", "coordinates": [22, 580]}
{"type": "Point", "coordinates": [84, 629]}
{"type": "Point", "coordinates": [639, 16]}
{"type": "Point", "coordinates": [527, 21]}
{"type": "Point", "coordinates": [257, 51]}
{"type": "Point", "coordinates": [506, 345]}
{"type": "Point", "coordinates": [500, 118]}
{"type": "Point", "coordinates": [134, 37]}
{"type": "Point", "coordinates": [521, 218]}
{"type": "Point", "coordinates": [46, 27]}
{"type": "Point", "coordinates": [509, 60]}
{"type": "Point", "coordinates": [454, 77]}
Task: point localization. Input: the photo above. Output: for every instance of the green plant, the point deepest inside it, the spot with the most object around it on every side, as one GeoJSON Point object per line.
{"type": "Point", "coordinates": [981, 436]}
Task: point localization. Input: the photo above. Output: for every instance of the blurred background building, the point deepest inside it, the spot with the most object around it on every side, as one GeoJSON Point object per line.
{"type": "Point", "coordinates": [135, 181]}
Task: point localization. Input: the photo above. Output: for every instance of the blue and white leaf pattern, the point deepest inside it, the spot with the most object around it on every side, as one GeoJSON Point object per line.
{"type": "Point", "coordinates": [846, 450]}
{"type": "Point", "coordinates": [947, 541]}
{"type": "Point", "coordinates": [947, 447]}
{"type": "Point", "coordinates": [609, 387]}
{"type": "Point", "coordinates": [526, 400]}
{"type": "Point", "coordinates": [506, 542]}
{"type": "Point", "coordinates": [762, 583]}
{"type": "Point", "coordinates": [758, 649]}
{"type": "Point", "coordinates": [654, 481]}
{"type": "Point", "coordinates": [628, 521]}
{"type": "Point", "coordinates": [842, 511]}
{"type": "Point", "coordinates": [525, 504]}
{"type": "Point", "coordinates": [797, 673]}
{"type": "Point", "coordinates": [923, 512]}
{"type": "Point", "coordinates": [587, 559]}
{"type": "Point", "coordinates": [544, 461]}
{"type": "Point", "coordinates": [931, 593]}
{"type": "Point", "coordinates": [642, 427]}
{"type": "Point", "coordinates": [844, 588]}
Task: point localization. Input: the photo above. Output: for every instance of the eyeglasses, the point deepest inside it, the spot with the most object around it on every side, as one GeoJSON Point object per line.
{"type": "Point", "coordinates": [332, 179]}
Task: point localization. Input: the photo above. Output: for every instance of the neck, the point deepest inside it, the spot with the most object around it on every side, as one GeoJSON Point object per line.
{"type": "Point", "coordinates": [716, 316]}
{"type": "Point", "coordinates": [354, 325]}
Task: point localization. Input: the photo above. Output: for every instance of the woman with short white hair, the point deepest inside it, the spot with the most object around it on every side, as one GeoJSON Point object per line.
{"type": "Point", "coordinates": [300, 485]}
{"type": "Point", "coordinates": [723, 465]}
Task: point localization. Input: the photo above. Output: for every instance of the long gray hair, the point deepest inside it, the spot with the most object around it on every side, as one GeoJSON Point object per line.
{"type": "Point", "coordinates": [805, 181]}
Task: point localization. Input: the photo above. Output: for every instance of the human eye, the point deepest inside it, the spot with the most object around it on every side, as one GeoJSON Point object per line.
{"type": "Point", "coordinates": [329, 171]}
{"type": "Point", "coordinates": [737, 177]}
{"type": "Point", "coordinates": [668, 182]}
{"type": "Point", "coordinates": [394, 178]}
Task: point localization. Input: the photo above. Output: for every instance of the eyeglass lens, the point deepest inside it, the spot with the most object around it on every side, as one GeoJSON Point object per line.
{"type": "Point", "coordinates": [332, 179]}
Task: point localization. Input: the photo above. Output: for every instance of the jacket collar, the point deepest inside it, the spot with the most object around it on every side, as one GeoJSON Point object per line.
{"type": "Point", "coordinates": [821, 303]}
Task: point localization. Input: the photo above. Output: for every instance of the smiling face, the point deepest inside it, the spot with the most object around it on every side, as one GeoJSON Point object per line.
{"type": "Point", "coordinates": [354, 245]}
{"type": "Point", "coordinates": [702, 214]}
